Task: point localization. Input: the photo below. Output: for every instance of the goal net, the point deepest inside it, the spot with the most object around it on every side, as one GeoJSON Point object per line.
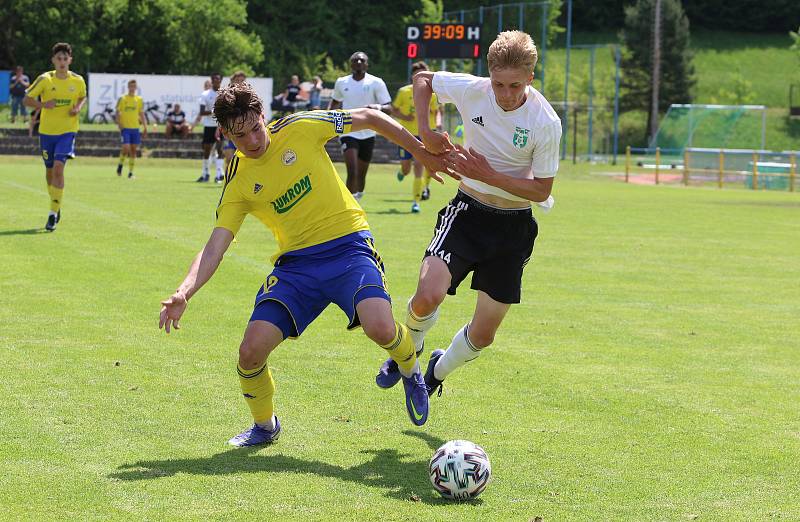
{"type": "Point", "coordinates": [711, 126]}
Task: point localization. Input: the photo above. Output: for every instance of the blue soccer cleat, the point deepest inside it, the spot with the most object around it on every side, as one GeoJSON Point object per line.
{"type": "Point", "coordinates": [416, 398]}
{"type": "Point", "coordinates": [400, 175]}
{"type": "Point", "coordinates": [415, 208]}
{"type": "Point", "coordinates": [256, 435]}
{"type": "Point", "coordinates": [389, 374]}
{"type": "Point", "coordinates": [430, 381]}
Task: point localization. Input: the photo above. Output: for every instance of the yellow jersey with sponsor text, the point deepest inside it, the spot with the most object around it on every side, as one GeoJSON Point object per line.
{"type": "Point", "coordinates": [66, 93]}
{"type": "Point", "coordinates": [404, 102]}
{"type": "Point", "coordinates": [293, 188]}
{"type": "Point", "coordinates": [128, 108]}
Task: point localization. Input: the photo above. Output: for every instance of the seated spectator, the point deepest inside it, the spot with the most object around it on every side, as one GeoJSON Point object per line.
{"type": "Point", "coordinates": [292, 98]}
{"type": "Point", "coordinates": [176, 122]}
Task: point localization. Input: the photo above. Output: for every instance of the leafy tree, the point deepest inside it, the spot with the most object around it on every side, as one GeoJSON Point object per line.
{"type": "Point", "coordinates": [738, 91]}
{"type": "Point", "coordinates": [677, 72]}
{"type": "Point", "coordinates": [137, 36]}
{"type": "Point", "coordinates": [320, 36]}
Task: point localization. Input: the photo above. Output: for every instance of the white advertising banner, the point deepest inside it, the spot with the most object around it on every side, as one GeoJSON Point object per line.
{"type": "Point", "coordinates": [159, 93]}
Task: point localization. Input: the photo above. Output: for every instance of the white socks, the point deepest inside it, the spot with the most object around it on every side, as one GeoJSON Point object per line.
{"type": "Point", "coordinates": [419, 326]}
{"type": "Point", "coordinates": [220, 167]}
{"type": "Point", "coordinates": [459, 353]}
{"type": "Point", "coordinates": [205, 167]}
{"type": "Point", "coordinates": [269, 425]}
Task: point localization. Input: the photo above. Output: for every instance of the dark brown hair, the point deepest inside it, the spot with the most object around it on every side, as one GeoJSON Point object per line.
{"type": "Point", "coordinates": [61, 47]}
{"type": "Point", "coordinates": [234, 103]}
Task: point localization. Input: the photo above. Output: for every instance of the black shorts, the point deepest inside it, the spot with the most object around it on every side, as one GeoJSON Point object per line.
{"type": "Point", "coordinates": [364, 146]}
{"type": "Point", "coordinates": [495, 244]}
{"type": "Point", "coordinates": [209, 135]}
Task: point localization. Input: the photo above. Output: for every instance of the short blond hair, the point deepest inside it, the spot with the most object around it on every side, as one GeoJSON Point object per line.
{"type": "Point", "coordinates": [512, 50]}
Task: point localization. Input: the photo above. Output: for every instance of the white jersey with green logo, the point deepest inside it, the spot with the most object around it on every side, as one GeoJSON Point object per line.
{"type": "Point", "coordinates": [523, 143]}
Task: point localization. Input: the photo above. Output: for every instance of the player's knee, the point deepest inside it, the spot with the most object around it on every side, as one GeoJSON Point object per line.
{"type": "Point", "coordinates": [253, 353]}
{"type": "Point", "coordinates": [381, 331]}
{"type": "Point", "coordinates": [481, 337]}
{"type": "Point", "coordinates": [427, 301]}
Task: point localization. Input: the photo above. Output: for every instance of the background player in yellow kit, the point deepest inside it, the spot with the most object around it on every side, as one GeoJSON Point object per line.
{"type": "Point", "coordinates": [282, 175]}
{"type": "Point", "coordinates": [62, 94]}
{"type": "Point", "coordinates": [130, 114]}
{"type": "Point", "coordinates": [404, 112]}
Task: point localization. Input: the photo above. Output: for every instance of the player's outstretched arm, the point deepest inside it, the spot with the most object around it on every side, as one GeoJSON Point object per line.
{"type": "Point", "coordinates": [469, 163]}
{"type": "Point", "coordinates": [394, 132]}
{"type": "Point", "coordinates": [436, 142]}
{"type": "Point", "coordinates": [203, 266]}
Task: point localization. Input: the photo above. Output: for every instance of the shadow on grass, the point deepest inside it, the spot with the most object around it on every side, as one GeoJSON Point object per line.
{"type": "Point", "coordinates": [23, 232]}
{"type": "Point", "coordinates": [388, 469]}
{"type": "Point", "coordinates": [390, 211]}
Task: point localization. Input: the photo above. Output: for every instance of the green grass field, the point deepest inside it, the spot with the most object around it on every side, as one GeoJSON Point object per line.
{"type": "Point", "coordinates": [652, 371]}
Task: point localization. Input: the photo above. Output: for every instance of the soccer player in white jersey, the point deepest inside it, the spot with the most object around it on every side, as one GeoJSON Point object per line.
{"type": "Point", "coordinates": [212, 140]}
{"type": "Point", "coordinates": [509, 159]}
{"type": "Point", "coordinates": [360, 89]}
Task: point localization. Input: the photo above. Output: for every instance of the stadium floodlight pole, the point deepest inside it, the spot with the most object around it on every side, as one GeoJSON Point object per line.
{"type": "Point", "coordinates": [543, 43]}
{"type": "Point", "coordinates": [656, 79]}
{"type": "Point", "coordinates": [617, 58]}
{"type": "Point", "coordinates": [500, 19]}
{"type": "Point", "coordinates": [565, 121]}
{"type": "Point", "coordinates": [591, 96]}
{"type": "Point", "coordinates": [480, 58]}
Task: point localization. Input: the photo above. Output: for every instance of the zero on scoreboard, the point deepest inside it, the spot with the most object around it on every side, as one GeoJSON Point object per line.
{"type": "Point", "coordinates": [443, 41]}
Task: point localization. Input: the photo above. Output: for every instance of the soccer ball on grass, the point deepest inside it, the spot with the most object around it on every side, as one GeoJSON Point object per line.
{"type": "Point", "coordinates": [460, 470]}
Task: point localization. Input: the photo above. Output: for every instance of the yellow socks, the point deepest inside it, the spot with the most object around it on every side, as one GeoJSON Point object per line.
{"type": "Point", "coordinates": [402, 351]}
{"type": "Point", "coordinates": [121, 159]}
{"type": "Point", "coordinates": [56, 195]}
{"type": "Point", "coordinates": [258, 389]}
{"type": "Point", "coordinates": [426, 177]}
{"type": "Point", "coordinates": [417, 189]}
{"type": "Point", "coordinates": [131, 161]}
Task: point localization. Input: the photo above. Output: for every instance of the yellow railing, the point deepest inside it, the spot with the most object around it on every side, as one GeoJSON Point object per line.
{"type": "Point", "coordinates": [720, 172]}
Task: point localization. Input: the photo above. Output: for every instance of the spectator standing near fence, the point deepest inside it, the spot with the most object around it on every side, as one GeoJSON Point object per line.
{"type": "Point", "coordinates": [62, 94]}
{"type": "Point", "coordinates": [211, 137]}
{"type": "Point", "coordinates": [314, 93]}
{"type": "Point", "coordinates": [19, 83]}
{"type": "Point", "coordinates": [129, 115]}
{"type": "Point", "coordinates": [360, 89]}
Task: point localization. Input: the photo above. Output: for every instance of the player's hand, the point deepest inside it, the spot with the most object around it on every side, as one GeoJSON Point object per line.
{"type": "Point", "coordinates": [171, 311]}
{"type": "Point", "coordinates": [434, 164]}
{"type": "Point", "coordinates": [436, 142]}
{"type": "Point", "coordinates": [49, 104]}
{"type": "Point", "coordinates": [468, 163]}
{"type": "Point", "coordinates": [74, 110]}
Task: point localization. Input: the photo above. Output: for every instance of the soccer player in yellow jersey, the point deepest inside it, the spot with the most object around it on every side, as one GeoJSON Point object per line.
{"type": "Point", "coordinates": [403, 111]}
{"type": "Point", "coordinates": [282, 176]}
{"type": "Point", "coordinates": [129, 115]}
{"type": "Point", "coordinates": [62, 94]}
